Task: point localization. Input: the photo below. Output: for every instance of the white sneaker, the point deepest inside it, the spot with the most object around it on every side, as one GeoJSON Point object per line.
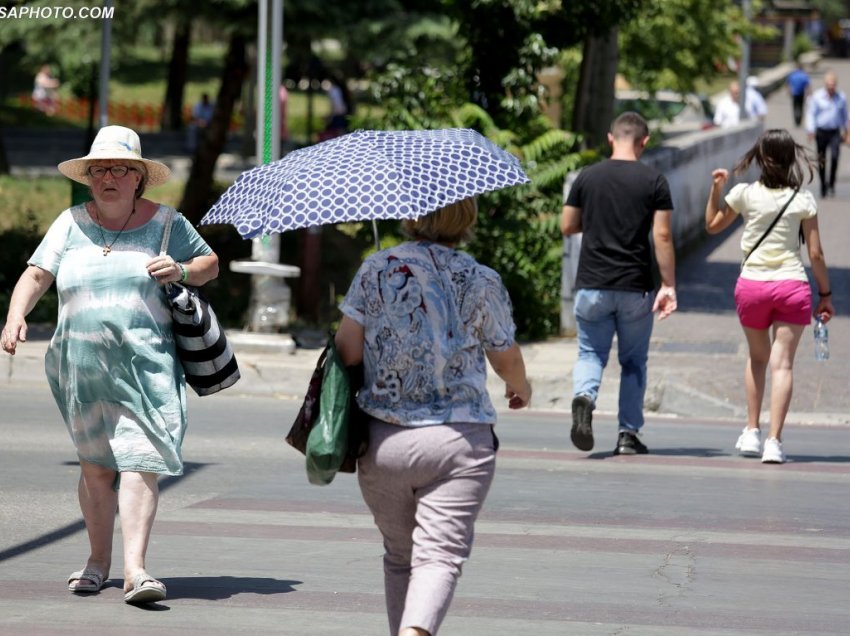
{"type": "Point", "coordinates": [749, 443]}
{"type": "Point", "coordinates": [773, 452]}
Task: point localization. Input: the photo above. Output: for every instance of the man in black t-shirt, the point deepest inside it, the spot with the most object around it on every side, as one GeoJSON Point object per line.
{"type": "Point", "coordinates": [615, 204]}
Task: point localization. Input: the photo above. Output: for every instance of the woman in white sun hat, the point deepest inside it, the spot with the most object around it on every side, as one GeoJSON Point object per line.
{"type": "Point", "coordinates": [112, 364]}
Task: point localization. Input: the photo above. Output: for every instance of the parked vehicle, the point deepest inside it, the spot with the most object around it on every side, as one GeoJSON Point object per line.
{"type": "Point", "coordinates": [674, 113]}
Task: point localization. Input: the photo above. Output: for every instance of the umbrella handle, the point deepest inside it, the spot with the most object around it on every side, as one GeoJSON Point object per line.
{"type": "Point", "coordinates": [375, 235]}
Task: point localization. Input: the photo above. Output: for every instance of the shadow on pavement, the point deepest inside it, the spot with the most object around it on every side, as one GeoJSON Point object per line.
{"type": "Point", "coordinates": [709, 287]}
{"type": "Point", "coordinates": [820, 459]}
{"type": "Point", "coordinates": [703, 286]}
{"type": "Point", "coordinates": [76, 526]}
{"type": "Point", "coordinates": [214, 588]}
{"type": "Point", "coordinates": [668, 452]}
{"type": "Point", "coordinates": [690, 452]}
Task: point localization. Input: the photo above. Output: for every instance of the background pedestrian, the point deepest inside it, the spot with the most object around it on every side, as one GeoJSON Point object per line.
{"type": "Point", "coordinates": [799, 86]}
{"type": "Point", "coordinates": [202, 114]}
{"type": "Point", "coordinates": [616, 204]}
{"type": "Point", "coordinates": [727, 113]}
{"type": "Point", "coordinates": [826, 124]}
{"type": "Point", "coordinates": [772, 295]}
{"type": "Point", "coordinates": [45, 87]}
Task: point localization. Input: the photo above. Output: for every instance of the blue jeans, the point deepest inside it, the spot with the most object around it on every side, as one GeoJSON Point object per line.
{"type": "Point", "coordinates": [600, 313]}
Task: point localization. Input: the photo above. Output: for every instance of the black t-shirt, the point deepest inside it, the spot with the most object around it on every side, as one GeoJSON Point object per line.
{"type": "Point", "coordinates": [618, 199]}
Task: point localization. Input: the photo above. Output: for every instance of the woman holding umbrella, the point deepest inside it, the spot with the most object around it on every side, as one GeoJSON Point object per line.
{"type": "Point", "coordinates": [422, 317]}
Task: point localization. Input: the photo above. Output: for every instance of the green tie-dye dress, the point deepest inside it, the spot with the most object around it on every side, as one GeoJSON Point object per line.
{"type": "Point", "coordinates": [111, 363]}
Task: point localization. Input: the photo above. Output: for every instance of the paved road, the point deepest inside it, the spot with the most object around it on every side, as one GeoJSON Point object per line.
{"type": "Point", "coordinates": [689, 540]}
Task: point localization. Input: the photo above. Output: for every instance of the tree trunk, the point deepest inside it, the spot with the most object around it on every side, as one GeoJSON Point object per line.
{"type": "Point", "coordinates": [309, 285]}
{"type": "Point", "coordinates": [4, 161]}
{"type": "Point", "coordinates": [178, 70]}
{"type": "Point", "coordinates": [213, 138]}
{"type": "Point", "coordinates": [594, 102]}
{"type": "Point", "coordinates": [249, 105]}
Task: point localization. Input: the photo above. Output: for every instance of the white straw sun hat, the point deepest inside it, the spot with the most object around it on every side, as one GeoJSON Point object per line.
{"type": "Point", "coordinates": [115, 142]}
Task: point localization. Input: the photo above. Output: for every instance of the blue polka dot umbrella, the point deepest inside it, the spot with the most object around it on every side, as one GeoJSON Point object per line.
{"type": "Point", "coordinates": [365, 175]}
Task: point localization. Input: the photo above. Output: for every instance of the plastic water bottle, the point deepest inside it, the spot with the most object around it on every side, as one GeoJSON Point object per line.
{"type": "Point", "coordinates": [821, 341]}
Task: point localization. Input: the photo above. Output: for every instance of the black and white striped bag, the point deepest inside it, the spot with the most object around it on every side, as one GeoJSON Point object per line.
{"type": "Point", "coordinates": [206, 356]}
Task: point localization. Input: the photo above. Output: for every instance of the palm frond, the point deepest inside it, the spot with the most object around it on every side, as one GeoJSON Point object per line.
{"type": "Point", "coordinates": [550, 174]}
{"type": "Point", "coordinates": [548, 142]}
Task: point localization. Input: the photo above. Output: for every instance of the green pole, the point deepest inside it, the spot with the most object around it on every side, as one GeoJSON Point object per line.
{"type": "Point", "coordinates": [267, 107]}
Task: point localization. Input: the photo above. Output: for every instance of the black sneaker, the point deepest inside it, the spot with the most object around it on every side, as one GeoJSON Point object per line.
{"type": "Point", "coordinates": [582, 431]}
{"type": "Point", "coordinates": [629, 444]}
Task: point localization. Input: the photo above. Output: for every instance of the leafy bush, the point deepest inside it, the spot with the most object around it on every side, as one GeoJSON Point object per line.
{"type": "Point", "coordinates": [801, 44]}
{"type": "Point", "coordinates": [518, 229]}
{"type": "Point", "coordinates": [16, 246]}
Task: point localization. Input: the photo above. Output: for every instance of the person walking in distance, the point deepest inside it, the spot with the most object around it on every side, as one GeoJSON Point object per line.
{"type": "Point", "coordinates": [826, 124]}
{"type": "Point", "coordinates": [772, 295]}
{"type": "Point", "coordinates": [727, 114]}
{"type": "Point", "coordinates": [616, 204]}
{"type": "Point", "coordinates": [799, 85]}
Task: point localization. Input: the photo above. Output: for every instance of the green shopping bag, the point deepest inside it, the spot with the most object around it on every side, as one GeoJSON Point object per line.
{"type": "Point", "coordinates": [327, 444]}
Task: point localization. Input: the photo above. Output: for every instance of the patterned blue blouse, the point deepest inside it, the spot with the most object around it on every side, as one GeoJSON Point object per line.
{"type": "Point", "coordinates": [429, 313]}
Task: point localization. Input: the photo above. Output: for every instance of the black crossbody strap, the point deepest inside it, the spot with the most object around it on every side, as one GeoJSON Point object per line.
{"type": "Point", "coordinates": [770, 227]}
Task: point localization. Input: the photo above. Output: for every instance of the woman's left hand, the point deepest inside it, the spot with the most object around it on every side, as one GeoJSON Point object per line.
{"type": "Point", "coordinates": [165, 269]}
{"type": "Point", "coordinates": [824, 310]}
{"type": "Point", "coordinates": [518, 397]}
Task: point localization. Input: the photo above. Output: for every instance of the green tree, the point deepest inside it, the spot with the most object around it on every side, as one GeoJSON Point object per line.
{"type": "Point", "coordinates": [597, 23]}
{"type": "Point", "coordinates": [507, 43]}
{"type": "Point", "coordinates": [675, 43]}
{"type": "Point", "coordinates": [830, 10]}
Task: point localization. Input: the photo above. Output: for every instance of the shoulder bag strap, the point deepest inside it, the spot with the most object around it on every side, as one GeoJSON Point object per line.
{"type": "Point", "coordinates": [166, 231]}
{"type": "Point", "coordinates": [166, 236]}
{"type": "Point", "coordinates": [770, 227]}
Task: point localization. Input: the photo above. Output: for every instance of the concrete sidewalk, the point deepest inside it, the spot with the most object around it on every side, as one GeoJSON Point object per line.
{"type": "Point", "coordinates": [678, 369]}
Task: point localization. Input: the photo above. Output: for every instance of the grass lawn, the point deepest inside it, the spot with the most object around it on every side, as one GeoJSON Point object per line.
{"type": "Point", "coordinates": [34, 202]}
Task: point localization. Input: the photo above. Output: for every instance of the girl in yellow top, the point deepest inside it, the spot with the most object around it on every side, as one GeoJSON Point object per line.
{"type": "Point", "coordinates": [773, 289]}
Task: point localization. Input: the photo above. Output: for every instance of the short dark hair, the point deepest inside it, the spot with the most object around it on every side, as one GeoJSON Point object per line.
{"type": "Point", "coordinates": [630, 125]}
{"type": "Point", "coordinates": [781, 159]}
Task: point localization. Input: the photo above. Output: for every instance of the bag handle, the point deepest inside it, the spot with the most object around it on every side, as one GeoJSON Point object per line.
{"type": "Point", "coordinates": [166, 232]}
{"type": "Point", "coordinates": [770, 227]}
{"type": "Point", "coordinates": [166, 237]}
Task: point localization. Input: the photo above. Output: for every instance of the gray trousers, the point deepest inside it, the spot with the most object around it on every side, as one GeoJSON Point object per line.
{"type": "Point", "coordinates": [425, 487]}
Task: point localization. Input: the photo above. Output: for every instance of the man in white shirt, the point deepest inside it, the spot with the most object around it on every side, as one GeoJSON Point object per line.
{"type": "Point", "coordinates": [755, 104]}
{"type": "Point", "coordinates": [727, 113]}
{"type": "Point", "coordinates": [826, 124]}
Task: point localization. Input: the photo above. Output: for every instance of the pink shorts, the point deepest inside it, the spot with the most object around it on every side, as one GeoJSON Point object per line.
{"type": "Point", "coordinates": [762, 303]}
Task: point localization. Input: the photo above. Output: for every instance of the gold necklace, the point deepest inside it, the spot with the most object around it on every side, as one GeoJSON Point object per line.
{"type": "Point", "coordinates": [107, 247]}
